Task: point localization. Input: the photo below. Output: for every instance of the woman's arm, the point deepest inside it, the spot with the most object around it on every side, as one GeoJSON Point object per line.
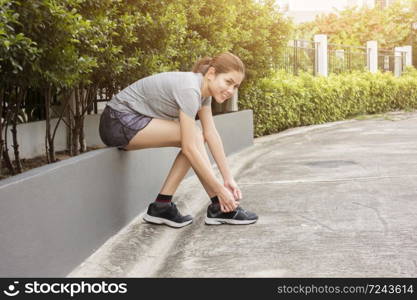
{"type": "Point", "coordinates": [190, 150]}
{"type": "Point", "coordinates": [216, 148]}
{"type": "Point", "coordinates": [215, 144]}
{"type": "Point", "coordinates": [214, 141]}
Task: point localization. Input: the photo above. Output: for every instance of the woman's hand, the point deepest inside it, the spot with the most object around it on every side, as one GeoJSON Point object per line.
{"type": "Point", "coordinates": [226, 200]}
{"type": "Point", "coordinates": [231, 185]}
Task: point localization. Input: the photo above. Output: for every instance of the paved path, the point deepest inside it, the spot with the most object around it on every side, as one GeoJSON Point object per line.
{"type": "Point", "coordinates": [334, 200]}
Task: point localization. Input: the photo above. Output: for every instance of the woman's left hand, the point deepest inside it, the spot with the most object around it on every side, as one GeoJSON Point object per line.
{"type": "Point", "coordinates": [231, 185]}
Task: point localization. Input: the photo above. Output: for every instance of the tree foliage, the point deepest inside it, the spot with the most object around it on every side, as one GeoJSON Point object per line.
{"type": "Point", "coordinates": [52, 49]}
{"type": "Point", "coordinates": [391, 26]}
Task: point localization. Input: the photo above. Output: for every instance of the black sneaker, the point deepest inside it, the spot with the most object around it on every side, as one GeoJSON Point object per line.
{"type": "Point", "coordinates": [237, 217]}
{"type": "Point", "coordinates": [166, 214]}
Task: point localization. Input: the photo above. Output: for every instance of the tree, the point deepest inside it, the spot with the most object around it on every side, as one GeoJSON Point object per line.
{"type": "Point", "coordinates": [69, 51]}
{"type": "Point", "coordinates": [17, 53]}
{"type": "Point", "coordinates": [354, 26]}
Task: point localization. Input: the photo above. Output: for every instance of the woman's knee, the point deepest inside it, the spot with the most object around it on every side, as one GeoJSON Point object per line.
{"type": "Point", "coordinates": [161, 133]}
{"type": "Point", "coordinates": [158, 133]}
{"type": "Point", "coordinates": [199, 136]}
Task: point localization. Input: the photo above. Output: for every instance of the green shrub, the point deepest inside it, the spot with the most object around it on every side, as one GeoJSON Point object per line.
{"type": "Point", "coordinates": [284, 100]}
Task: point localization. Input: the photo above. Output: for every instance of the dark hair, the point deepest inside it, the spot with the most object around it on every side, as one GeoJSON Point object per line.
{"type": "Point", "coordinates": [222, 63]}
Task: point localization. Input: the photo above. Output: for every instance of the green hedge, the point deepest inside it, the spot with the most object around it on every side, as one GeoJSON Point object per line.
{"type": "Point", "coordinates": [285, 101]}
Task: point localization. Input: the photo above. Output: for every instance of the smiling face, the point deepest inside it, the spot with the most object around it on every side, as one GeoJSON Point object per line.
{"type": "Point", "coordinates": [222, 86]}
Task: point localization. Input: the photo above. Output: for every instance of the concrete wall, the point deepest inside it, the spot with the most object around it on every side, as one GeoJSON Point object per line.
{"type": "Point", "coordinates": [55, 216]}
{"type": "Point", "coordinates": [31, 136]}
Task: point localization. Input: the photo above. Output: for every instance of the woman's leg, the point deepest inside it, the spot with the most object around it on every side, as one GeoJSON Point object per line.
{"type": "Point", "coordinates": [180, 169]}
{"type": "Point", "coordinates": [163, 133]}
{"type": "Point", "coordinates": [177, 173]}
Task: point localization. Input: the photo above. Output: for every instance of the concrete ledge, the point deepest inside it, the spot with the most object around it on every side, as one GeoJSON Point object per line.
{"type": "Point", "coordinates": [53, 217]}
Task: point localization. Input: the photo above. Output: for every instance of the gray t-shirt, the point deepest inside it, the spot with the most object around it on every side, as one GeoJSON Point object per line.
{"type": "Point", "coordinates": [163, 95]}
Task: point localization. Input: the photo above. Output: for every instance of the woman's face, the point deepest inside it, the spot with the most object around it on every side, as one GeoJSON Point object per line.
{"type": "Point", "coordinates": [223, 85]}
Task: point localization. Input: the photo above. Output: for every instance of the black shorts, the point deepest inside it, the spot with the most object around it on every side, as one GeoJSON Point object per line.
{"type": "Point", "coordinates": [118, 128]}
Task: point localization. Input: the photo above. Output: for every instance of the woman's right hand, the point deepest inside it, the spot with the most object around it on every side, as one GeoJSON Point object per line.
{"type": "Point", "coordinates": [226, 199]}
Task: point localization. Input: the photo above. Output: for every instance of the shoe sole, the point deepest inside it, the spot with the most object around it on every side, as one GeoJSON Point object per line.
{"type": "Point", "coordinates": [156, 220]}
{"type": "Point", "coordinates": [216, 221]}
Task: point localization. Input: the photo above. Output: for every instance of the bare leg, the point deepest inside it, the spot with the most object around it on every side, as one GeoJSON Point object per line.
{"type": "Point", "coordinates": [164, 133]}
{"type": "Point", "coordinates": [177, 173]}
{"type": "Point", "coordinates": [179, 170]}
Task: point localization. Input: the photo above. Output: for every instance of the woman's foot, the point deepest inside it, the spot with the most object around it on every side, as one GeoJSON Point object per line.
{"type": "Point", "coordinates": [167, 214]}
{"type": "Point", "coordinates": [237, 217]}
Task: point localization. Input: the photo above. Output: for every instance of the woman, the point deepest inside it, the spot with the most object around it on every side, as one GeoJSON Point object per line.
{"type": "Point", "coordinates": [160, 111]}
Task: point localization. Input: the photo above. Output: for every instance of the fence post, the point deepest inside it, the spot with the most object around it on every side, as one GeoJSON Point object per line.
{"type": "Point", "coordinates": [408, 55]}
{"type": "Point", "coordinates": [216, 107]}
{"type": "Point", "coordinates": [321, 62]}
{"type": "Point", "coordinates": [231, 104]}
{"type": "Point", "coordinates": [372, 53]}
{"type": "Point", "coordinates": [398, 62]}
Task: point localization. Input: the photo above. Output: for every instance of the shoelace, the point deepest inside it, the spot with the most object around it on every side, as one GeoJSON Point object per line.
{"type": "Point", "coordinates": [243, 211]}
{"type": "Point", "coordinates": [236, 212]}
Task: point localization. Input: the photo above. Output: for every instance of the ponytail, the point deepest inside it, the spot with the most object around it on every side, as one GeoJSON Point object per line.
{"type": "Point", "coordinates": [222, 63]}
{"type": "Point", "coordinates": [202, 65]}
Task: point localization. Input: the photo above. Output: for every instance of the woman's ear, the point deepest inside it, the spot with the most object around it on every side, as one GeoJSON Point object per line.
{"type": "Point", "coordinates": [211, 73]}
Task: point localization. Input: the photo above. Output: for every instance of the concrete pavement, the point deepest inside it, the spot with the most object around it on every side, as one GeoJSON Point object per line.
{"type": "Point", "coordinates": [334, 200]}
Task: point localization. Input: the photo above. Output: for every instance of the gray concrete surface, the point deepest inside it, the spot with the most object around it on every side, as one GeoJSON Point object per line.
{"type": "Point", "coordinates": [334, 200]}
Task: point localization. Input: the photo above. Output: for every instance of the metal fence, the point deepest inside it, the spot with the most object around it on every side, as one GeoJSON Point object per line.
{"type": "Point", "coordinates": [388, 59]}
{"type": "Point", "coordinates": [343, 58]}
{"type": "Point", "coordinates": [299, 55]}
{"type": "Point", "coordinates": [302, 55]}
